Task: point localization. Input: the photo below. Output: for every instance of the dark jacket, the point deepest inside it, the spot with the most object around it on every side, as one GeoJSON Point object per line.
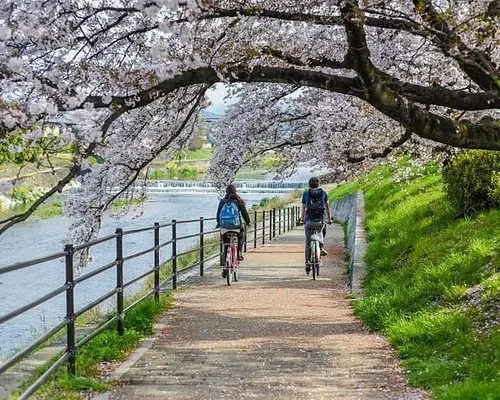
{"type": "Point", "coordinates": [242, 208]}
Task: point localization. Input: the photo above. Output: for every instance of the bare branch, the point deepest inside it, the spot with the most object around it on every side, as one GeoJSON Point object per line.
{"type": "Point", "coordinates": [382, 154]}
{"type": "Point", "coordinates": [7, 223]}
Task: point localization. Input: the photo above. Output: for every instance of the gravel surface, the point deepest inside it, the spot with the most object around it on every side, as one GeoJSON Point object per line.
{"type": "Point", "coordinates": [275, 334]}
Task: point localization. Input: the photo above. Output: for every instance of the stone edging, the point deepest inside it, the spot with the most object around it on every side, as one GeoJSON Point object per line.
{"type": "Point", "coordinates": [350, 211]}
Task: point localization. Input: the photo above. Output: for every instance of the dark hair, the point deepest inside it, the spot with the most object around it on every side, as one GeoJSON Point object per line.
{"type": "Point", "coordinates": [313, 182]}
{"type": "Point", "coordinates": [232, 195]}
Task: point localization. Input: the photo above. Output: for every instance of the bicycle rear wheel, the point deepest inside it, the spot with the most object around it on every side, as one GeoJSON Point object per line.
{"type": "Point", "coordinates": [229, 262]}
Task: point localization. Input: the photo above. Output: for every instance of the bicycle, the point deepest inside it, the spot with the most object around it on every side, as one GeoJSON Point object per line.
{"type": "Point", "coordinates": [231, 262]}
{"type": "Point", "coordinates": [315, 260]}
{"type": "Point", "coordinates": [315, 250]}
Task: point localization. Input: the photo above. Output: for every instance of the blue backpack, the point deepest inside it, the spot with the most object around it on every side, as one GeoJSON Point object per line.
{"type": "Point", "coordinates": [229, 216]}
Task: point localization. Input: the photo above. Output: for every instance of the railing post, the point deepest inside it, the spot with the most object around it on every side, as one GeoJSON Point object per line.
{"type": "Point", "coordinates": [245, 239]}
{"type": "Point", "coordinates": [274, 222]}
{"type": "Point", "coordinates": [202, 247]}
{"type": "Point", "coordinates": [119, 281]}
{"type": "Point", "coordinates": [157, 261]}
{"type": "Point", "coordinates": [254, 229]}
{"type": "Point", "coordinates": [279, 222]}
{"type": "Point", "coordinates": [70, 310]}
{"type": "Point", "coordinates": [284, 220]}
{"type": "Point", "coordinates": [288, 218]}
{"type": "Point", "coordinates": [270, 225]}
{"type": "Point", "coordinates": [263, 226]}
{"type": "Point", "coordinates": [174, 254]}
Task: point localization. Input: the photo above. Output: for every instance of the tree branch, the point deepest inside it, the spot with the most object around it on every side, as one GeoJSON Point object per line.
{"type": "Point", "coordinates": [435, 95]}
{"type": "Point", "coordinates": [382, 154]}
{"type": "Point", "coordinates": [475, 63]}
{"type": "Point", "coordinates": [7, 223]}
{"type": "Point", "coordinates": [484, 134]}
{"type": "Point", "coordinates": [140, 167]}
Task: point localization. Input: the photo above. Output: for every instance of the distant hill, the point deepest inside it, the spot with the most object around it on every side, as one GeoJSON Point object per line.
{"type": "Point", "coordinates": [211, 116]}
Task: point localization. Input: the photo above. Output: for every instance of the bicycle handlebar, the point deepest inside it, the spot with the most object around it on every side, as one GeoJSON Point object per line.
{"type": "Point", "coordinates": [301, 222]}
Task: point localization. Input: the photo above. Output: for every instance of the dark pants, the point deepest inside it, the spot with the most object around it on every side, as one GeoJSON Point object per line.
{"type": "Point", "coordinates": [309, 228]}
{"type": "Point", "coordinates": [241, 239]}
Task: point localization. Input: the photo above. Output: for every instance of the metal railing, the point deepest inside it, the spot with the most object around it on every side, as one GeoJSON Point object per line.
{"type": "Point", "coordinates": [265, 226]}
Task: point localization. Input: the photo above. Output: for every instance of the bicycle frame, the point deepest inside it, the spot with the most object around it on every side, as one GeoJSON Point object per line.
{"type": "Point", "coordinates": [231, 262]}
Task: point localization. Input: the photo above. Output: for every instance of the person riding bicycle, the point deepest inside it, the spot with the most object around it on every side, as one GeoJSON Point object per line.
{"type": "Point", "coordinates": [312, 212]}
{"type": "Point", "coordinates": [231, 209]}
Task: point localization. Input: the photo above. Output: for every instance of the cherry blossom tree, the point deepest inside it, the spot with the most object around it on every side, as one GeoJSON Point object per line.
{"type": "Point", "coordinates": [356, 78]}
{"type": "Point", "coordinates": [324, 129]}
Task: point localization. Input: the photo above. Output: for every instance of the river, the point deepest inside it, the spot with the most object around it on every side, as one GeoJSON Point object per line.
{"type": "Point", "coordinates": [39, 238]}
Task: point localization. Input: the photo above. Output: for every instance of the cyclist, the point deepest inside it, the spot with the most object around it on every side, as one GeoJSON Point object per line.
{"type": "Point", "coordinates": [231, 209]}
{"type": "Point", "coordinates": [312, 212]}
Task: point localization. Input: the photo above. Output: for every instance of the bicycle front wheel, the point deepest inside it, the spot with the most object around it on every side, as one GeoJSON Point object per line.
{"type": "Point", "coordinates": [318, 257]}
{"type": "Point", "coordinates": [314, 258]}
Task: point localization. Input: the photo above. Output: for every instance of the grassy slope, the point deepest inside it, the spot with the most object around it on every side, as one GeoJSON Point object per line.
{"type": "Point", "coordinates": [433, 285]}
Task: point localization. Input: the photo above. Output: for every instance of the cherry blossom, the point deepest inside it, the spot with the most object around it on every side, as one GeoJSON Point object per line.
{"type": "Point", "coordinates": [342, 83]}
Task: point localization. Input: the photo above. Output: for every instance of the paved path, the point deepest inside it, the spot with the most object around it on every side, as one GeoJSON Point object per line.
{"type": "Point", "coordinates": [274, 334]}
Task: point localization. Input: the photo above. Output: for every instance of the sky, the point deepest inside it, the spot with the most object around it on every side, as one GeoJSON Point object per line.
{"type": "Point", "coordinates": [216, 94]}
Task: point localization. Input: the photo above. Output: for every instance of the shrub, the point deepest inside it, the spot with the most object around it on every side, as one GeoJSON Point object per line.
{"type": "Point", "coordinates": [25, 195]}
{"type": "Point", "coordinates": [472, 181]}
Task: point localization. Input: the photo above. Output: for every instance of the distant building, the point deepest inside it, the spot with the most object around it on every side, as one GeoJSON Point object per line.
{"type": "Point", "coordinates": [209, 119]}
{"type": "Point", "coordinates": [55, 123]}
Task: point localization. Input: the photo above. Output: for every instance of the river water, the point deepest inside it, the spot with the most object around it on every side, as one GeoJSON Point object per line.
{"type": "Point", "coordinates": [34, 239]}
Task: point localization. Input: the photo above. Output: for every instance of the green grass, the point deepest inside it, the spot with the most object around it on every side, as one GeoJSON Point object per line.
{"type": "Point", "coordinates": [55, 209]}
{"type": "Point", "coordinates": [211, 246]}
{"type": "Point", "coordinates": [251, 174]}
{"type": "Point", "coordinates": [200, 154]}
{"type": "Point", "coordinates": [343, 190]}
{"type": "Point", "coordinates": [175, 170]}
{"type": "Point", "coordinates": [433, 282]}
{"type": "Point", "coordinates": [122, 203]}
{"type": "Point", "coordinates": [268, 203]}
{"type": "Point", "coordinates": [106, 347]}
{"type": "Point", "coordinates": [42, 212]}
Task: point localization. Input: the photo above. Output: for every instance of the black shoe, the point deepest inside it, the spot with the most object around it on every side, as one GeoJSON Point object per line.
{"type": "Point", "coordinates": [308, 271]}
{"type": "Point", "coordinates": [240, 257]}
{"type": "Point", "coordinates": [224, 273]}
